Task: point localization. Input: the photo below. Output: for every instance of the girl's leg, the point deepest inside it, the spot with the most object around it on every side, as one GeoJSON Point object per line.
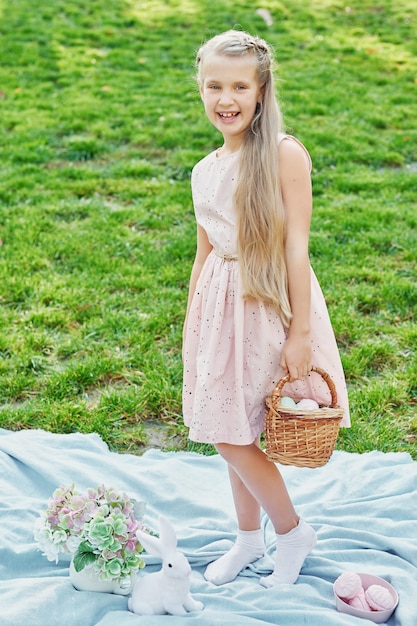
{"type": "Point", "coordinates": [264, 482]}
{"type": "Point", "coordinates": [249, 544]}
{"type": "Point", "coordinates": [248, 510]}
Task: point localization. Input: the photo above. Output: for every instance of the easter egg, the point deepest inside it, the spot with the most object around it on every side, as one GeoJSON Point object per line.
{"type": "Point", "coordinates": [348, 585]}
{"type": "Point", "coordinates": [307, 403]}
{"type": "Point", "coordinates": [287, 402]}
{"type": "Point", "coordinates": [379, 598]}
{"type": "Point", "coordinates": [359, 602]}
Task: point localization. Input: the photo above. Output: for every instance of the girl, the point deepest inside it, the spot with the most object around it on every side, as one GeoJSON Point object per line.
{"type": "Point", "coordinates": [255, 309]}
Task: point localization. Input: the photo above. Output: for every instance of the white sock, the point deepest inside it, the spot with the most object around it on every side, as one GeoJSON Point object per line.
{"type": "Point", "coordinates": [292, 549]}
{"type": "Point", "coordinates": [249, 547]}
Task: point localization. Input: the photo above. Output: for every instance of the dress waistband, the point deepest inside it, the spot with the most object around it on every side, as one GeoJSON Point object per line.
{"type": "Point", "coordinates": [226, 257]}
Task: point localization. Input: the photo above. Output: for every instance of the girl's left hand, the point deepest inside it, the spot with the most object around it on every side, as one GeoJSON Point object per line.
{"type": "Point", "coordinates": [296, 356]}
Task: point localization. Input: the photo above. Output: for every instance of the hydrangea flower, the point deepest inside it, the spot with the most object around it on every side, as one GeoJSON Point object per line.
{"type": "Point", "coordinates": [97, 527]}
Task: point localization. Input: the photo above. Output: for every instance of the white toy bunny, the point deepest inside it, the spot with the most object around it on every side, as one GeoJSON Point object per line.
{"type": "Point", "coordinates": [166, 591]}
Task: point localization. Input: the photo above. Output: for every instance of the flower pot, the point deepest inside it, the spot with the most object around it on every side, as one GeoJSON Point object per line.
{"type": "Point", "coordinates": [88, 580]}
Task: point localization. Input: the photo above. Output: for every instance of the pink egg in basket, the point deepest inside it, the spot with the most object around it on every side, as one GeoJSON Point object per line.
{"type": "Point", "coordinates": [378, 617]}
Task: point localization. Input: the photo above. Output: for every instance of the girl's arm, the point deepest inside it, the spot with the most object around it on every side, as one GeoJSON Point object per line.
{"type": "Point", "coordinates": [204, 248]}
{"type": "Point", "coordinates": [297, 197]}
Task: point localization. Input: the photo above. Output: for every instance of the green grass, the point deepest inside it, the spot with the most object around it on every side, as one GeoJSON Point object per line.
{"type": "Point", "coordinates": [101, 125]}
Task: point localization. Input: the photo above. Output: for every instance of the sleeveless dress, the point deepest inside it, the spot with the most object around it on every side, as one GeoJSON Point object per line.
{"type": "Point", "coordinates": [232, 346]}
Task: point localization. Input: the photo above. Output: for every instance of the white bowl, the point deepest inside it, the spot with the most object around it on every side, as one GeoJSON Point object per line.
{"type": "Point", "coordinates": [378, 617]}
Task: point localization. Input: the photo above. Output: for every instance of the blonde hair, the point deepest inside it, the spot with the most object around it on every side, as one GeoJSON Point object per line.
{"type": "Point", "coordinates": [257, 197]}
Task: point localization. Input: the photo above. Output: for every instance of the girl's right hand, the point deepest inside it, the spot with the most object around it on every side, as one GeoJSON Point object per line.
{"type": "Point", "coordinates": [296, 356]}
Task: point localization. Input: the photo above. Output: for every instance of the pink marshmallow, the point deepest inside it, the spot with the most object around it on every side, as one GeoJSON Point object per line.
{"type": "Point", "coordinates": [348, 585]}
{"type": "Point", "coordinates": [379, 598]}
{"type": "Point", "coordinates": [359, 601]}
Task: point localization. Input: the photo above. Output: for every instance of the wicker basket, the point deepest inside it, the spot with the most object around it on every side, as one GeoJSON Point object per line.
{"type": "Point", "coordinates": [301, 437]}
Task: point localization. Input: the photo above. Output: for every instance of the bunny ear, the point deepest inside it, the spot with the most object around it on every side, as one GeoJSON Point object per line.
{"type": "Point", "coordinates": [155, 546]}
{"type": "Point", "coordinates": [151, 544]}
{"type": "Point", "coordinates": [168, 535]}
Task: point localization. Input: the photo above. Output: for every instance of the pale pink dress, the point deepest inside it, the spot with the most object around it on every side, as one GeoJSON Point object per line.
{"type": "Point", "coordinates": [232, 346]}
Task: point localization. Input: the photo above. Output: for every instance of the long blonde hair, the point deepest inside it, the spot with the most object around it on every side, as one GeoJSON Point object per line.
{"type": "Point", "coordinates": [257, 197]}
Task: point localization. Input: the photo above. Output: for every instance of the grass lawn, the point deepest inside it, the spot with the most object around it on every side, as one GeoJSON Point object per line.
{"type": "Point", "coordinates": [101, 125]}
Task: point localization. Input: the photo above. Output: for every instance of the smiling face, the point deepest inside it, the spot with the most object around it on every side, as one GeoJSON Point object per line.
{"type": "Point", "coordinates": [230, 91]}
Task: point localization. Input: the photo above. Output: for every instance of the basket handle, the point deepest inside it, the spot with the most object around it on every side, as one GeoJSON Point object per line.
{"type": "Point", "coordinates": [276, 394]}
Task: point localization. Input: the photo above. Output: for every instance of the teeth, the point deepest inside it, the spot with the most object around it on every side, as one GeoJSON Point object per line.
{"type": "Point", "coordinates": [227, 114]}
